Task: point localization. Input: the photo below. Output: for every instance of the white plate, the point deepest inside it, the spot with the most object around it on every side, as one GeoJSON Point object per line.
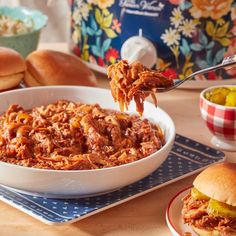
{"type": "Point", "coordinates": [201, 84]}
{"type": "Point", "coordinates": [174, 217]}
{"type": "Point", "coordinates": [96, 68]}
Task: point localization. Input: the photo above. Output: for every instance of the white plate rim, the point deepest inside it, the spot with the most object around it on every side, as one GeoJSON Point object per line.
{"type": "Point", "coordinates": [169, 222]}
{"type": "Point", "coordinates": [202, 84]}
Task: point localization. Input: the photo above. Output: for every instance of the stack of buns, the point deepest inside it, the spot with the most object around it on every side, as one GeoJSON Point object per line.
{"type": "Point", "coordinates": [42, 68]}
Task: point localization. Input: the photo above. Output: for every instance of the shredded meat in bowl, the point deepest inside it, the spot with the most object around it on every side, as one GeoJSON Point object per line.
{"type": "Point", "coordinates": [75, 136]}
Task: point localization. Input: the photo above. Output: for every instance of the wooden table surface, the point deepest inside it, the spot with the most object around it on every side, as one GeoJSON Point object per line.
{"type": "Point", "coordinates": [144, 215]}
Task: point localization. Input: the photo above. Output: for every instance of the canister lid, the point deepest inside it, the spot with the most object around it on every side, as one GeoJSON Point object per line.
{"type": "Point", "coordinates": [141, 49]}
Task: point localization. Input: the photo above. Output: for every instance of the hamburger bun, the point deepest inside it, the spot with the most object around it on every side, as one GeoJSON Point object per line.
{"type": "Point", "coordinates": [12, 68]}
{"type": "Point", "coordinates": [47, 67]}
{"type": "Point", "coordinates": [218, 182]}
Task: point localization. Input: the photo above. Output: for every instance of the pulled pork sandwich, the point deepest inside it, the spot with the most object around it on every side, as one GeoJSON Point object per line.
{"type": "Point", "coordinates": [210, 207]}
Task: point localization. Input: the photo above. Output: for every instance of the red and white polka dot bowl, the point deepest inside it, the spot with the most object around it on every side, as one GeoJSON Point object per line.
{"type": "Point", "coordinates": [220, 120]}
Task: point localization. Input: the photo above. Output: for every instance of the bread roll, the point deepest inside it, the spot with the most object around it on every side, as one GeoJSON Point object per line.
{"type": "Point", "coordinates": [218, 182]}
{"type": "Point", "coordinates": [47, 67]}
{"type": "Point", "coordinates": [12, 68]}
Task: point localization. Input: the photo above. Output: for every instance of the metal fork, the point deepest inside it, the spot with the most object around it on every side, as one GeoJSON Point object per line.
{"type": "Point", "coordinates": [227, 62]}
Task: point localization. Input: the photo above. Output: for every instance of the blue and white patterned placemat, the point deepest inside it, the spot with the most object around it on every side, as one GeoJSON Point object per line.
{"type": "Point", "coordinates": [187, 157]}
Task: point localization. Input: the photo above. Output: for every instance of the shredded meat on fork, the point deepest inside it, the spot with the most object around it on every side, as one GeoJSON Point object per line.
{"type": "Point", "coordinates": [134, 81]}
{"type": "Point", "coordinates": [68, 135]}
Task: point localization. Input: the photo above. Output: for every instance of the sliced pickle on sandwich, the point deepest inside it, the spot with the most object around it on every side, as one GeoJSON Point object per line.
{"type": "Point", "coordinates": [197, 195]}
{"type": "Point", "coordinates": [221, 209]}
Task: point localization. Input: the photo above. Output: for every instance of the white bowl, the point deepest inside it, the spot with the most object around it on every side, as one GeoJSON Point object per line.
{"type": "Point", "coordinates": [80, 183]}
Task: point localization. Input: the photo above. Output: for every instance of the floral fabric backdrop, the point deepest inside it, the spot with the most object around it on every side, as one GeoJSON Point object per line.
{"type": "Point", "coordinates": [188, 35]}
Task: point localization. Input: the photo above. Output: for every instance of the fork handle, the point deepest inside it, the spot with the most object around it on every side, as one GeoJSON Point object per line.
{"type": "Point", "coordinates": [227, 62]}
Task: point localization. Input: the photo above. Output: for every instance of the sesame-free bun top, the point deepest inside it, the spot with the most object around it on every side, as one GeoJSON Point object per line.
{"type": "Point", "coordinates": [218, 182]}
{"type": "Point", "coordinates": [47, 67]}
{"type": "Point", "coordinates": [11, 62]}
